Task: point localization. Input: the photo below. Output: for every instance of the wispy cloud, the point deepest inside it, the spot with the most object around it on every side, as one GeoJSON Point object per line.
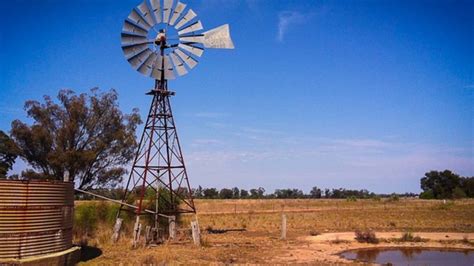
{"type": "Point", "coordinates": [205, 142]}
{"type": "Point", "coordinates": [286, 19]}
{"type": "Point", "coordinates": [211, 115]}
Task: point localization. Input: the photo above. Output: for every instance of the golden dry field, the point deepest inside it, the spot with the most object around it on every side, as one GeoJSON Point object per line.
{"type": "Point", "coordinates": [310, 238]}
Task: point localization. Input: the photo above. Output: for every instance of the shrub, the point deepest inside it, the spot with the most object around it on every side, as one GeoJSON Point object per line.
{"type": "Point", "coordinates": [85, 220]}
{"type": "Point", "coordinates": [366, 236]}
{"type": "Point", "coordinates": [458, 193]}
{"type": "Point", "coordinates": [88, 216]}
{"type": "Point", "coordinates": [394, 197]}
{"type": "Point", "coordinates": [409, 237]}
{"type": "Point", "coordinates": [376, 198]}
{"type": "Point", "coordinates": [351, 198]}
{"type": "Point", "coordinates": [427, 195]}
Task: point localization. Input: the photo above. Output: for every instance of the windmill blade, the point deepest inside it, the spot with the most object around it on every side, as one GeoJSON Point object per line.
{"type": "Point", "coordinates": [177, 12]}
{"type": "Point", "coordinates": [167, 5]}
{"type": "Point", "coordinates": [138, 59]}
{"type": "Point", "coordinates": [192, 38]}
{"type": "Point", "coordinates": [192, 49]}
{"type": "Point", "coordinates": [129, 39]}
{"type": "Point", "coordinates": [193, 27]}
{"type": "Point", "coordinates": [134, 49]}
{"type": "Point", "coordinates": [218, 38]}
{"type": "Point", "coordinates": [179, 65]}
{"type": "Point", "coordinates": [190, 62]}
{"type": "Point", "coordinates": [146, 13]}
{"type": "Point", "coordinates": [137, 19]}
{"type": "Point", "coordinates": [187, 18]}
{"type": "Point", "coordinates": [156, 9]}
{"type": "Point", "coordinates": [132, 28]}
{"type": "Point", "coordinates": [169, 74]}
{"type": "Point", "coordinates": [147, 65]}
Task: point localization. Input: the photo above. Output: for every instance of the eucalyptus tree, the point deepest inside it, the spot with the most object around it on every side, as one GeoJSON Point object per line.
{"type": "Point", "coordinates": [84, 135]}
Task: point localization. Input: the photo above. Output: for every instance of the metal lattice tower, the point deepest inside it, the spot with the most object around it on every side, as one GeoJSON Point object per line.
{"type": "Point", "coordinates": [159, 162]}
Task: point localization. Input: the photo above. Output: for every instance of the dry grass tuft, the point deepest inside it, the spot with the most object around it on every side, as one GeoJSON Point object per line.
{"type": "Point", "coordinates": [410, 237]}
{"type": "Point", "coordinates": [366, 236]}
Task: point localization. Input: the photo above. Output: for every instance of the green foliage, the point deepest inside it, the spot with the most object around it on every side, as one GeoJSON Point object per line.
{"type": "Point", "coordinates": [85, 219]}
{"type": "Point", "coordinates": [446, 185]}
{"type": "Point", "coordinates": [8, 153]}
{"type": "Point", "coordinates": [458, 193]}
{"type": "Point", "coordinates": [351, 198]}
{"type": "Point", "coordinates": [257, 193]}
{"type": "Point", "coordinates": [376, 198]}
{"type": "Point", "coordinates": [315, 193]}
{"type": "Point", "coordinates": [394, 198]}
{"type": "Point", "coordinates": [289, 193]}
{"type": "Point", "coordinates": [84, 135]}
{"type": "Point", "coordinates": [244, 193]}
{"type": "Point", "coordinates": [210, 193]}
{"type": "Point", "coordinates": [342, 193]}
{"type": "Point", "coordinates": [427, 195]}
{"type": "Point", "coordinates": [226, 193]}
{"type": "Point", "coordinates": [88, 215]}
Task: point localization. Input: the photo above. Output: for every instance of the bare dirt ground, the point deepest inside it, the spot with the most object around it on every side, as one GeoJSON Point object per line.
{"type": "Point", "coordinates": [317, 231]}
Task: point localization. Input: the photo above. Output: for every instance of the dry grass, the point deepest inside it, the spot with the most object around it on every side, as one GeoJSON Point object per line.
{"type": "Point", "coordinates": [261, 218]}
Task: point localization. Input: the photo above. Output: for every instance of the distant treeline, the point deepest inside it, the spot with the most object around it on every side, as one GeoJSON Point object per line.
{"type": "Point", "coordinates": [259, 193]}
{"type": "Point", "coordinates": [435, 185]}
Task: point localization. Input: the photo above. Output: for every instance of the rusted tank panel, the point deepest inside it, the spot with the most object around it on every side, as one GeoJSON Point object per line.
{"type": "Point", "coordinates": [35, 217]}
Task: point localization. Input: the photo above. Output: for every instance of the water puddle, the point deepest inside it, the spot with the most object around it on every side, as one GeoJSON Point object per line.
{"type": "Point", "coordinates": [412, 256]}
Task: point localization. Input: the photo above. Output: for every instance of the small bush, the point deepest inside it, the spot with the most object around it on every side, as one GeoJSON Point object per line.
{"type": "Point", "coordinates": [351, 198]}
{"type": "Point", "coordinates": [427, 195]}
{"type": "Point", "coordinates": [366, 236]}
{"type": "Point", "coordinates": [394, 198]}
{"type": "Point", "coordinates": [409, 237]}
{"type": "Point", "coordinates": [314, 233]}
{"type": "Point", "coordinates": [85, 220]}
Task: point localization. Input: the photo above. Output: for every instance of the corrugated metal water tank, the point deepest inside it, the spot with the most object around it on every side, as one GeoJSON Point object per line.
{"type": "Point", "coordinates": [35, 217]}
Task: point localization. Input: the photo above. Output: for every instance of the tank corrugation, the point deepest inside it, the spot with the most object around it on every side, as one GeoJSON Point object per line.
{"type": "Point", "coordinates": [35, 217]}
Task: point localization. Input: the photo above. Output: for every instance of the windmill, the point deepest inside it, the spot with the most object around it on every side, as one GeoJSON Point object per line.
{"type": "Point", "coordinates": [163, 40]}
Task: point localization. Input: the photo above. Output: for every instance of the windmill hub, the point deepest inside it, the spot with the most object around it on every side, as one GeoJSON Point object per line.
{"type": "Point", "coordinates": [160, 39]}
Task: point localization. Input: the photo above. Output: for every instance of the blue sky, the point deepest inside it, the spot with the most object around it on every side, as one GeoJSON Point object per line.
{"type": "Point", "coordinates": [354, 94]}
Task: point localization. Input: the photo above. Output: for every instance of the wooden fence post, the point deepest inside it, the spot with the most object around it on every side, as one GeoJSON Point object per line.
{"type": "Point", "coordinates": [196, 233]}
{"type": "Point", "coordinates": [172, 227]}
{"type": "Point", "coordinates": [137, 229]}
{"type": "Point", "coordinates": [117, 226]}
